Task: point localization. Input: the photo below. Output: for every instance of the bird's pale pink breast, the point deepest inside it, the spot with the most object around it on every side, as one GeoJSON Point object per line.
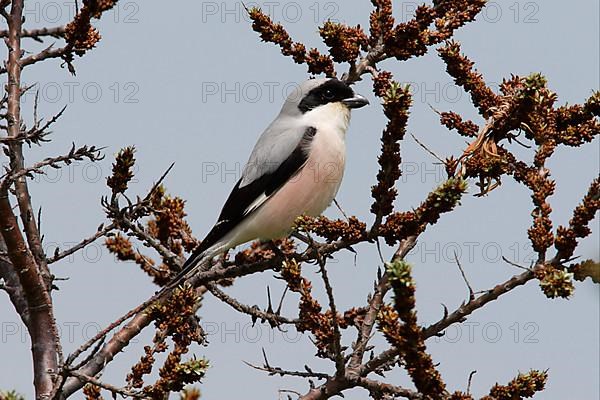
{"type": "Point", "coordinates": [310, 192]}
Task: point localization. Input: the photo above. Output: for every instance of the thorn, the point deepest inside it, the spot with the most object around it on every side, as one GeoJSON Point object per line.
{"type": "Point", "coordinates": [427, 149]}
{"type": "Point", "coordinates": [278, 312]}
{"type": "Point", "coordinates": [253, 317]}
{"type": "Point", "coordinates": [265, 358]}
{"type": "Point", "coordinates": [514, 264]}
{"type": "Point", "coordinates": [469, 382]}
{"type": "Point", "coordinates": [270, 307]}
{"type": "Point", "coordinates": [378, 243]}
{"type": "Point", "coordinates": [340, 208]}
{"type": "Point", "coordinates": [434, 110]}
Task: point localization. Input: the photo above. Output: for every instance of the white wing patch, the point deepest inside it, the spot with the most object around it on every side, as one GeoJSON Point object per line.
{"type": "Point", "coordinates": [256, 203]}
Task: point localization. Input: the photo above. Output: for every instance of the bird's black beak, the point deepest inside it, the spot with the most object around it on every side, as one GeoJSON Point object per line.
{"type": "Point", "coordinates": [357, 101]}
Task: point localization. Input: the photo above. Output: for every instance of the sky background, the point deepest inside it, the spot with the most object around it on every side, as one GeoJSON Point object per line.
{"type": "Point", "coordinates": [192, 84]}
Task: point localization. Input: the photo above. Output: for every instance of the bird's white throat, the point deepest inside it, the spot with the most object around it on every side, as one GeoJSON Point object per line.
{"type": "Point", "coordinates": [330, 117]}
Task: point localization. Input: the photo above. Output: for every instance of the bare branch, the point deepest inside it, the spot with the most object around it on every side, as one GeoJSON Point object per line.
{"type": "Point", "coordinates": [375, 387]}
{"type": "Point", "coordinates": [169, 257]}
{"type": "Point", "coordinates": [36, 34]}
{"type": "Point", "coordinates": [340, 369]}
{"type": "Point", "coordinates": [427, 149]}
{"type": "Point", "coordinates": [308, 373]}
{"type": "Point", "coordinates": [463, 311]}
{"type": "Point", "coordinates": [102, 231]}
{"type": "Point", "coordinates": [469, 381]}
{"type": "Point", "coordinates": [111, 388]}
{"type": "Point", "coordinates": [47, 53]}
{"type": "Point", "coordinates": [274, 318]}
{"type": "Point", "coordinates": [92, 153]}
{"type": "Point", "coordinates": [462, 272]}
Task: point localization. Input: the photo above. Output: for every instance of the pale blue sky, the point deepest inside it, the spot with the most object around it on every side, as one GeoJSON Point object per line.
{"type": "Point", "coordinates": [193, 84]}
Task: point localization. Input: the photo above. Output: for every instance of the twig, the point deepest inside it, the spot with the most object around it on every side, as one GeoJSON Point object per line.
{"type": "Point", "coordinates": [340, 209]}
{"type": "Point", "coordinates": [278, 311]}
{"type": "Point", "coordinates": [35, 34]}
{"type": "Point", "coordinates": [273, 318]}
{"type": "Point", "coordinates": [92, 153]}
{"type": "Point", "coordinates": [48, 52]}
{"type": "Point", "coordinates": [462, 272]}
{"type": "Point", "coordinates": [169, 257]}
{"type": "Point", "coordinates": [386, 388]}
{"type": "Point", "coordinates": [111, 388]}
{"type": "Point", "coordinates": [514, 264]}
{"type": "Point", "coordinates": [337, 336]}
{"type": "Point", "coordinates": [278, 371]}
{"type": "Point", "coordinates": [427, 149]}
{"type": "Point", "coordinates": [99, 233]}
{"type": "Point", "coordinates": [27, 138]}
{"type": "Point", "coordinates": [36, 130]}
{"type": "Point", "coordinates": [475, 304]}
{"type": "Point", "coordinates": [469, 381]}
{"type": "Point", "coordinates": [374, 55]}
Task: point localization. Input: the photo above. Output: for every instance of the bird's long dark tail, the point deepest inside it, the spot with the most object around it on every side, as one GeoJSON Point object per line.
{"type": "Point", "coordinates": [199, 260]}
{"type": "Point", "coordinates": [188, 268]}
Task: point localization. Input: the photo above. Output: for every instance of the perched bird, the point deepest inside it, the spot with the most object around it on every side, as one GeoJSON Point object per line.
{"type": "Point", "coordinates": [295, 169]}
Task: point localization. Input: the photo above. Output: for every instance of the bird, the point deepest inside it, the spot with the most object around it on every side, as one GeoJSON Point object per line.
{"type": "Point", "coordinates": [295, 169]}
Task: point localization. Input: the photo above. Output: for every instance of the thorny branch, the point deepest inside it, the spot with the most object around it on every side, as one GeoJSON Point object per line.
{"type": "Point", "coordinates": [256, 313]}
{"type": "Point", "coordinates": [91, 153]}
{"type": "Point", "coordinates": [100, 232]}
{"type": "Point", "coordinates": [26, 254]}
{"type": "Point", "coordinates": [36, 34]}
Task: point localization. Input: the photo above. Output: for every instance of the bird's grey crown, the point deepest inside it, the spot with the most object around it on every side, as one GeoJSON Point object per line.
{"type": "Point", "coordinates": [290, 107]}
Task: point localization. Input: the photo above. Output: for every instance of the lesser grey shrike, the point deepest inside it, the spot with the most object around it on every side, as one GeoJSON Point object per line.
{"type": "Point", "coordinates": [295, 169]}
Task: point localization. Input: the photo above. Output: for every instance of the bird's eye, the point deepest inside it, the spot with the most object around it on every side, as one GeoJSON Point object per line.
{"type": "Point", "coordinates": [328, 94]}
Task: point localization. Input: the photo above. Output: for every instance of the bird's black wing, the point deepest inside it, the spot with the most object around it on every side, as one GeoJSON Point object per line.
{"type": "Point", "coordinates": [243, 200]}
